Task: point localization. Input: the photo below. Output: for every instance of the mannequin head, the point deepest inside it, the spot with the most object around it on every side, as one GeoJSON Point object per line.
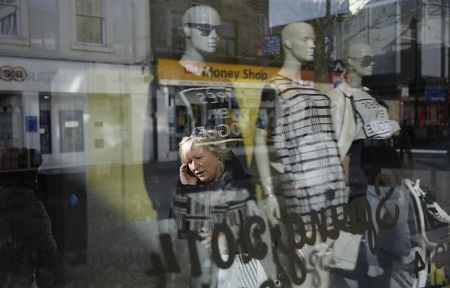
{"type": "Point", "coordinates": [359, 59]}
{"type": "Point", "coordinates": [201, 29]}
{"type": "Point", "coordinates": [298, 42]}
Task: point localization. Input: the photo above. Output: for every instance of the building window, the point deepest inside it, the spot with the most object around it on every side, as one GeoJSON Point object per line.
{"type": "Point", "coordinates": [90, 21]}
{"type": "Point", "coordinates": [228, 38]}
{"type": "Point", "coordinates": [177, 32]}
{"type": "Point", "coordinates": [9, 17]}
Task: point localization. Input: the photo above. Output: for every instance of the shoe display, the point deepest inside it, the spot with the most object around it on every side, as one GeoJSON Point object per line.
{"type": "Point", "coordinates": [434, 220]}
{"type": "Point", "coordinates": [436, 211]}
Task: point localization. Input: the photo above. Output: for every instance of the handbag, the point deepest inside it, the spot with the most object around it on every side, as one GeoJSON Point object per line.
{"type": "Point", "coordinates": [344, 253]}
{"type": "Point", "coordinates": [249, 274]}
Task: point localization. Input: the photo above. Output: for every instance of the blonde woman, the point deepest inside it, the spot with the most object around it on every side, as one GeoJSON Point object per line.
{"type": "Point", "coordinates": [215, 189]}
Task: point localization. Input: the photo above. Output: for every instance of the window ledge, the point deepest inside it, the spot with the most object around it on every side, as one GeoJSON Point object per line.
{"type": "Point", "coordinates": [92, 48]}
{"type": "Point", "coordinates": [14, 41]}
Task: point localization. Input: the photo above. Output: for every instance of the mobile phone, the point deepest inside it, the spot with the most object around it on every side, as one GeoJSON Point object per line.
{"type": "Point", "coordinates": [189, 172]}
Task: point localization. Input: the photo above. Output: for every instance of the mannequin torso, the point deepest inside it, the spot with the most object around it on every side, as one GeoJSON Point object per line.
{"type": "Point", "coordinates": [304, 138]}
{"type": "Point", "coordinates": [305, 145]}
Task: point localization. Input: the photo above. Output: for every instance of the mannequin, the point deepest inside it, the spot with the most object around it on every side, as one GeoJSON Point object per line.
{"type": "Point", "coordinates": [307, 156]}
{"type": "Point", "coordinates": [359, 63]}
{"type": "Point", "coordinates": [201, 26]}
{"type": "Point", "coordinates": [298, 45]}
{"type": "Point", "coordinates": [212, 112]}
{"type": "Point", "coordinates": [363, 130]}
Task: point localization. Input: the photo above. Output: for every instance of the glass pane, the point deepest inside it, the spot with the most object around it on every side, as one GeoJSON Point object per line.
{"type": "Point", "coordinates": [90, 7]}
{"type": "Point", "coordinates": [9, 2]}
{"type": "Point", "coordinates": [97, 8]}
{"type": "Point", "coordinates": [8, 20]}
{"type": "Point", "coordinates": [89, 29]}
{"type": "Point", "coordinates": [225, 143]}
{"type": "Point", "coordinates": [83, 6]}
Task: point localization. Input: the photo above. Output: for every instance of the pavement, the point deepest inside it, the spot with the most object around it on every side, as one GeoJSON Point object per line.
{"type": "Point", "coordinates": [119, 250]}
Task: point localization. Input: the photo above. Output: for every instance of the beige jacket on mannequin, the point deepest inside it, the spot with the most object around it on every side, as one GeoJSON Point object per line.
{"type": "Point", "coordinates": [343, 116]}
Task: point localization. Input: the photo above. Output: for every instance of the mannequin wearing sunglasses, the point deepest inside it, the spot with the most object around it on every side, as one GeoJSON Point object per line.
{"type": "Point", "coordinates": [346, 99]}
{"type": "Point", "coordinates": [206, 100]}
{"type": "Point", "coordinates": [364, 133]}
{"type": "Point", "coordinates": [303, 167]}
{"type": "Point", "coordinates": [201, 28]}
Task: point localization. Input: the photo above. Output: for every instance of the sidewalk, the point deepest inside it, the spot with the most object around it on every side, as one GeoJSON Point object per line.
{"type": "Point", "coordinates": [119, 256]}
{"type": "Point", "coordinates": [119, 248]}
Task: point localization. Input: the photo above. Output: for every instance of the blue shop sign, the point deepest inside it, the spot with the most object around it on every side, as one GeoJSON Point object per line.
{"type": "Point", "coordinates": [269, 45]}
{"type": "Point", "coordinates": [31, 123]}
{"type": "Point", "coordinates": [436, 94]}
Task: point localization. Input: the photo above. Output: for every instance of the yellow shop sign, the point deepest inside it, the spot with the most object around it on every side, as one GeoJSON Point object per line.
{"type": "Point", "coordinates": [171, 72]}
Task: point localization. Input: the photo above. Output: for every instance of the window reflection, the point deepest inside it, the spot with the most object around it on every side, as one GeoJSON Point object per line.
{"type": "Point", "coordinates": [96, 96]}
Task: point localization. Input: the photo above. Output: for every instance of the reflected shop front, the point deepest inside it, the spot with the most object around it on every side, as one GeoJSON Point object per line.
{"type": "Point", "coordinates": [224, 143]}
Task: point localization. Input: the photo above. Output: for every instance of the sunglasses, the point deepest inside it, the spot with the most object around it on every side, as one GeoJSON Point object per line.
{"type": "Point", "coordinates": [206, 29]}
{"type": "Point", "coordinates": [365, 61]}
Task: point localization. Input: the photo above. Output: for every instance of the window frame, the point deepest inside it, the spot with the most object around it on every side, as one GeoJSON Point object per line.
{"type": "Point", "coordinates": [107, 39]}
{"type": "Point", "coordinates": [22, 37]}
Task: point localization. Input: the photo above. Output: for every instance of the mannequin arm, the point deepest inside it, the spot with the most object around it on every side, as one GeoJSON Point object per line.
{"type": "Point", "coordinates": [262, 161]}
{"type": "Point", "coordinates": [270, 202]}
{"type": "Point", "coordinates": [346, 167]}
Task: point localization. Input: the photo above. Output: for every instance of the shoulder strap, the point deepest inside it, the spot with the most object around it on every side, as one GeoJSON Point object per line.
{"type": "Point", "coordinates": [377, 98]}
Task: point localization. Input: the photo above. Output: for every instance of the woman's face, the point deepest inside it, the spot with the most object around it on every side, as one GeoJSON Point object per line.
{"type": "Point", "coordinates": [204, 164]}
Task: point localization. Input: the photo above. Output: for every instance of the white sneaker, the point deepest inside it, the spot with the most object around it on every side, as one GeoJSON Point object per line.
{"type": "Point", "coordinates": [437, 212]}
{"type": "Point", "coordinates": [432, 206]}
{"type": "Point", "coordinates": [433, 220]}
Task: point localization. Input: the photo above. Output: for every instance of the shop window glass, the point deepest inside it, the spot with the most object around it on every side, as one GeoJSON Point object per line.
{"type": "Point", "coordinates": [150, 143]}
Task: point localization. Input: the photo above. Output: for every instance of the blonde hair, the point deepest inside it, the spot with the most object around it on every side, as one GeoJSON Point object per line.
{"type": "Point", "coordinates": [210, 142]}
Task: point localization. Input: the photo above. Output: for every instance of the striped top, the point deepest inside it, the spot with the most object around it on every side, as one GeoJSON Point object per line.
{"type": "Point", "coordinates": [305, 143]}
{"type": "Point", "coordinates": [194, 211]}
{"type": "Point", "coordinates": [227, 200]}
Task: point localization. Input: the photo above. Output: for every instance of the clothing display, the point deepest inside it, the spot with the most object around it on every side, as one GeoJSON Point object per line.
{"type": "Point", "coordinates": [305, 145]}
{"type": "Point", "coordinates": [368, 144]}
{"type": "Point", "coordinates": [358, 115]}
{"type": "Point", "coordinates": [370, 149]}
{"type": "Point", "coordinates": [433, 219]}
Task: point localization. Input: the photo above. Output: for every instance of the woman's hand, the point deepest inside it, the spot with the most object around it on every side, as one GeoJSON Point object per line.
{"type": "Point", "coordinates": [186, 176]}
